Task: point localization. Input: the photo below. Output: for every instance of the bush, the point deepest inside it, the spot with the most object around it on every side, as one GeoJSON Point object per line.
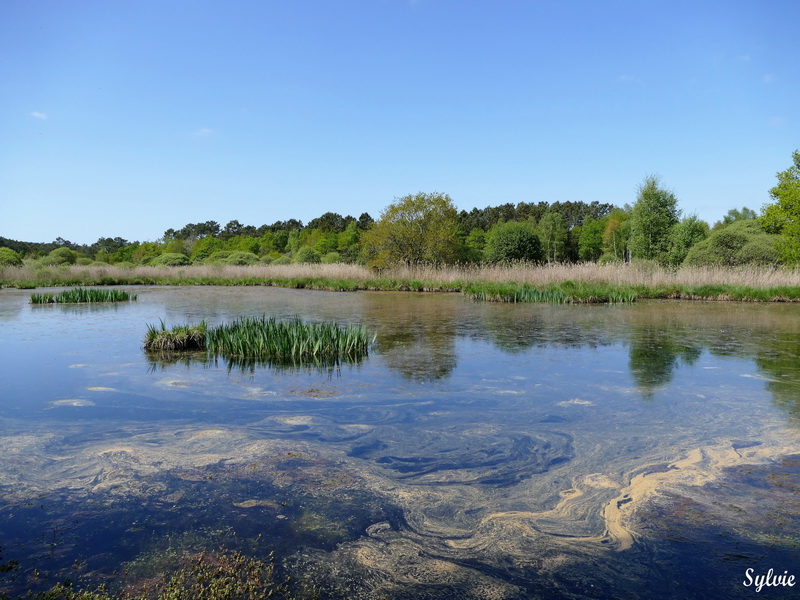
{"type": "Point", "coordinates": [306, 254]}
{"type": "Point", "coordinates": [512, 241]}
{"type": "Point", "coordinates": [282, 260]}
{"type": "Point", "coordinates": [331, 258]}
{"type": "Point", "coordinates": [170, 259]}
{"type": "Point", "coordinates": [241, 258]}
{"type": "Point", "coordinates": [741, 243]}
{"type": "Point", "coordinates": [9, 258]}
{"type": "Point", "coordinates": [217, 258]}
{"type": "Point", "coordinates": [61, 256]}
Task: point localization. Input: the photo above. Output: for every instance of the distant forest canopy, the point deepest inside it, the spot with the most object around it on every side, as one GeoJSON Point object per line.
{"type": "Point", "coordinates": [326, 234]}
{"type": "Point", "coordinates": [428, 229]}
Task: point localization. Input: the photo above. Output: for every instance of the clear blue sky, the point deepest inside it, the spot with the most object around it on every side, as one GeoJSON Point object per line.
{"type": "Point", "coordinates": [127, 117]}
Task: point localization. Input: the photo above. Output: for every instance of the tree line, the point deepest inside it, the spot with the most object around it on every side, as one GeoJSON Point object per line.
{"type": "Point", "coordinates": [426, 228]}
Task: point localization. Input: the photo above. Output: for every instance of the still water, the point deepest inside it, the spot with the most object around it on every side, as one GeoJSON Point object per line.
{"type": "Point", "coordinates": [480, 451]}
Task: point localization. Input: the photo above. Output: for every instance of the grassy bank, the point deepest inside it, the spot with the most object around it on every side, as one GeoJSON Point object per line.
{"type": "Point", "coordinates": [521, 283]}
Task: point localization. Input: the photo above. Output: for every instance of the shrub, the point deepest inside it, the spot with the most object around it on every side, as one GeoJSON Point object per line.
{"type": "Point", "coordinates": [306, 254]}
{"type": "Point", "coordinates": [61, 256]}
{"type": "Point", "coordinates": [331, 258]}
{"type": "Point", "coordinates": [512, 241]}
{"type": "Point", "coordinates": [9, 258]}
{"type": "Point", "coordinates": [170, 259]}
{"type": "Point", "coordinates": [741, 243]}
{"type": "Point", "coordinates": [282, 260]}
{"type": "Point", "coordinates": [241, 258]}
{"type": "Point", "coordinates": [218, 257]}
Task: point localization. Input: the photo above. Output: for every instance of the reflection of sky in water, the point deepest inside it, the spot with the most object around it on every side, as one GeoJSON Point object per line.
{"type": "Point", "coordinates": [516, 441]}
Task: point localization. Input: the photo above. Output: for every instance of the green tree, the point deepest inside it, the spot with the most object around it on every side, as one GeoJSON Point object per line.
{"type": "Point", "coordinates": [306, 254]}
{"type": "Point", "coordinates": [616, 236]}
{"type": "Point", "coordinates": [474, 245]}
{"type": "Point", "coordinates": [783, 217]}
{"type": "Point", "coordinates": [416, 229]}
{"type": "Point", "coordinates": [684, 235]}
{"type": "Point", "coordinates": [553, 235]}
{"type": "Point", "coordinates": [146, 252]}
{"type": "Point", "coordinates": [61, 256]}
{"type": "Point", "coordinates": [734, 215]}
{"type": "Point", "coordinates": [9, 258]}
{"type": "Point", "coordinates": [652, 218]}
{"type": "Point", "coordinates": [590, 242]}
{"type": "Point", "coordinates": [512, 241]}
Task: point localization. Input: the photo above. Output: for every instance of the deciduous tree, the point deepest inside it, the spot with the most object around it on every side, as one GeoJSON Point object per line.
{"type": "Point", "coordinates": [416, 229]}
{"type": "Point", "coordinates": [652, 218]}
{"type": "Point", "coordinates": [783, 217]}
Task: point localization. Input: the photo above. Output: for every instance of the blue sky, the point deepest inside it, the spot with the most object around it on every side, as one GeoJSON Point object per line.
{"type": "Point", "coordinates": [125, 118]}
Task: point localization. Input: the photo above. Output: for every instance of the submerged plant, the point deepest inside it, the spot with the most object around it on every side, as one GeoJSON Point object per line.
{"type": "Point", "coordinates": [80, 295]}
{"type": "Point", "coordinates": [222, 575]}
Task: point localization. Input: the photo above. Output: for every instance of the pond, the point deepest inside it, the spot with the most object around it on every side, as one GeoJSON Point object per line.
{"type": "Point", "coordinates": [480, 450]}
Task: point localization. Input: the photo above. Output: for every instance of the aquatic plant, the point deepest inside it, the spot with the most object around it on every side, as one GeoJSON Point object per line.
{"type": "Point", "coordinates": [180, 337]}
{"type": "Point", "coordinates": [81, 295]}
{"type": "Point", "coordinates": [264, 338]}
{"type": "Point", "coordinates": [269, 338]}
{"type": "Point", "coordinates": [222, 575]}
{"type": "Point", "coordinates": [567, 292]}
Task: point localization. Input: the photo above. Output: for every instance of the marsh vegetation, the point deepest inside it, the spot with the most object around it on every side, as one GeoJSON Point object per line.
{"type": "Point", "coordinates": [520, 282]}
{"type": "Point", "coordinates": [264, 338]}
{"type": "Point", "coordinates": [83, 295]}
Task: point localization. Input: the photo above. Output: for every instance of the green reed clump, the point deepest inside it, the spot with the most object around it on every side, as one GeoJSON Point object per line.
{"type": "Point", "coordinates": [81, 295]}
{"type": "Point", "coordinates": [262, 337]}
{"type": "Point", "coordinates": [180, 337]}
{"type": "Point", "coordinates": [568, 292]}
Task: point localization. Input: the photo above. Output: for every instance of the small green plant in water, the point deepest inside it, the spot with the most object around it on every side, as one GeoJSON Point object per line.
{"type": "Point", "coordinates": [180, 337]}
{"type": "Point", "coordinates": [264, 338]}
{"type": "Point", "coordinates": [82, 295]}
{"type": "Point", "coordinates": [260, 337]}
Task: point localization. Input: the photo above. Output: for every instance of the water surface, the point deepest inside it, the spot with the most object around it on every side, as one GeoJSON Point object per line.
{"type": "Point", "coordinates": [481, 450]}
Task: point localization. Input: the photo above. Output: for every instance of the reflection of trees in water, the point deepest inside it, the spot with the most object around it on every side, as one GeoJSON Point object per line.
{"type": "Point", "coordinates": [415, 336]}
{"type": "Point", "coordinates": [655, 353]}
{"type": "Point", "coordinates": [780, 362]}
{"type": "Point", "coordinates": [516, 331]}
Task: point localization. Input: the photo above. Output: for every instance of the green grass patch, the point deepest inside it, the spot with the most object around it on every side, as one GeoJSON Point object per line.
{"type": "Point", "coordinates": [179, 338]}
{"type": "Point", "coordinates": [82, 295]}
{"type": "Point", "coordinates": [262, 338]}
{"type": "Point", "coordinates": [568, 292]}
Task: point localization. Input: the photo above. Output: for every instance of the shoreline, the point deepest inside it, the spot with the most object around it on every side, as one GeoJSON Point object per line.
{"type": "Point", "coordinates": [561, 284]}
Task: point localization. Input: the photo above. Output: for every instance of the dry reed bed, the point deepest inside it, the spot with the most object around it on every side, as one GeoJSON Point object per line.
{"type": "Point", "coordinates": [537, 275]}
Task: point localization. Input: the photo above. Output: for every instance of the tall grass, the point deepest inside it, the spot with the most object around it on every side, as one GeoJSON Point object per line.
{"type": "Point", "coordinates": [645, 280]}
{"type": "Point", "coordinates": [264, 338]}
{"type": "Point", "coordinates": [81, 295]}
